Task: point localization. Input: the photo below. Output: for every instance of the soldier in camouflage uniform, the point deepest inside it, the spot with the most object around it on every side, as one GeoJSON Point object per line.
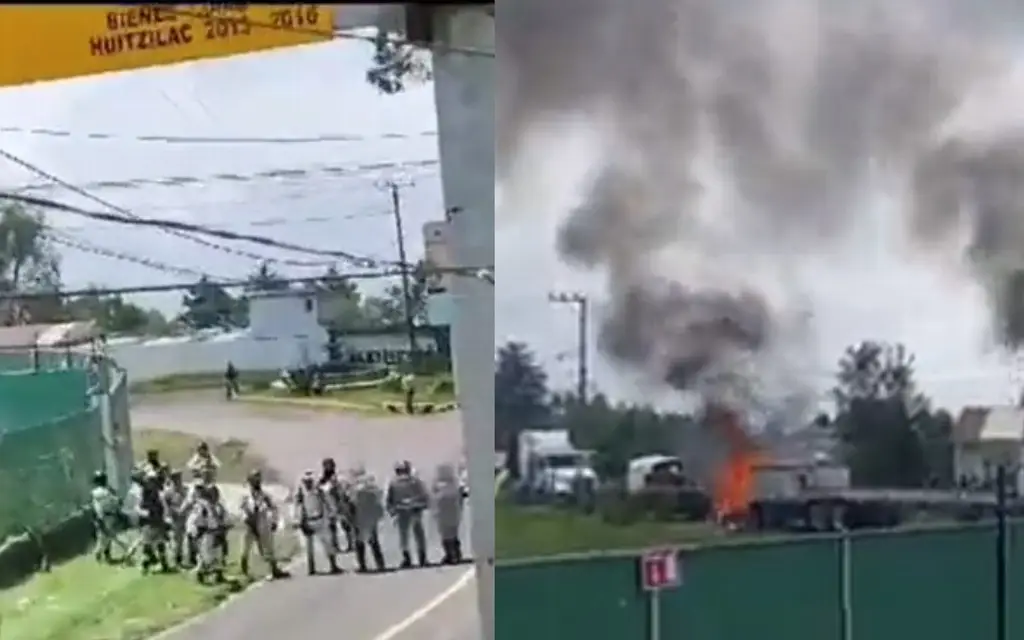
{"type": "Point", "coordinates": [368, 506]}
{"type": "Point", "coordinates": [107, 517]}
{"type": "Point", "coordinates": [407, 499]}
{"type": "Point", "coordinates": [260, 518]}
{"type": "Point", "coordinates": [175, 496]}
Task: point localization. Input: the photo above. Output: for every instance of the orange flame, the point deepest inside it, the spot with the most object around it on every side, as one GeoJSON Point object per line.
{"type": "Point", "coordinates": [734, 481]}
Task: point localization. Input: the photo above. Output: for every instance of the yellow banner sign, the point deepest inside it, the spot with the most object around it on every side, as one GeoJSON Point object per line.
{"type": "Point", "coordinates": [51, 42]}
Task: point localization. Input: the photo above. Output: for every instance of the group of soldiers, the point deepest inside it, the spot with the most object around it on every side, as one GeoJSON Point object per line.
{"type": "Point", "coordinates": [329, 506]}
{"type": "Point", "coordinates": [186, 525]}
{"type": "Point", "coordinates": [179, 524]}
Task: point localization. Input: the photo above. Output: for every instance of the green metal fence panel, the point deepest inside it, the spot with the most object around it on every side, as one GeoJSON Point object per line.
{"type": "Point", "coordinates": [784, 590]}
{"type": "Point", "coordinates": [45, 471]}
{"type": "Point", "coordinates": [552, 600]}
{"type": "Point", "coordinates": [28, 399]}
{"type": "Point", "coordinates": [934, 584]}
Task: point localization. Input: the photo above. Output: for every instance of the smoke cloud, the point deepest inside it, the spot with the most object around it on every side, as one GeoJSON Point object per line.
{"type": "Point", "coordinates": [757, 129]}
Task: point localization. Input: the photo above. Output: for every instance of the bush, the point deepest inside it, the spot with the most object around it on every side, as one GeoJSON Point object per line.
{"type": "Point", "coordinates": [444, 385]}
{"type": "Point", "coordinates": [392, 383]}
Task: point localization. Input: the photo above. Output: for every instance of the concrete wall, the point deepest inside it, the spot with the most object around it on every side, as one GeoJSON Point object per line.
{"type": "Point", "coordinates": [149, 359]}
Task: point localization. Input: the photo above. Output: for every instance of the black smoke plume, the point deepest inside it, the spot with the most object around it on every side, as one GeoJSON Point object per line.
{"type": "Point", "coordinates": [794, 109]}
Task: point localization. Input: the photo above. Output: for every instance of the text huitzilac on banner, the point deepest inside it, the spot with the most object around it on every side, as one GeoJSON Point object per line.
{"type": "Point", "coordinates": [52, 42]}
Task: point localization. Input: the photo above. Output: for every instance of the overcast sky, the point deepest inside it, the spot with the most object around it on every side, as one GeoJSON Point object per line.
{"type": "Point", "coordinates": [322, 195]}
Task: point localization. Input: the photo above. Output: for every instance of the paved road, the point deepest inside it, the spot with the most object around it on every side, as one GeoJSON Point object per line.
{"type": "Point", "coordinates": [362, 607]}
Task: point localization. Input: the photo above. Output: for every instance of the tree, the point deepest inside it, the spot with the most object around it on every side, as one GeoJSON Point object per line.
{"type": "Point", "coordinates": [209, 305]}
{"type": "Point", "coordinates": [111, 313]}
{"type": "Point", "coordinates": [889, 435]}
{"type": "Point", "coordinates": [28, 263]}
{"type": "Point", "coordinates": [520, 398]}
{"type": "Point", "coordinates": [265, 278]}
{"type": "Point", "coordinates": [388, 310]}
{"type": "Point", "coordinates": [341, 303]}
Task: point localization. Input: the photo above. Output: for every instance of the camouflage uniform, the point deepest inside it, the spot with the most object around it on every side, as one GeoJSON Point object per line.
{"type": "Point", "coordinates": [368, 508]}
{"type": "Point", "coordinates": [407, 499]}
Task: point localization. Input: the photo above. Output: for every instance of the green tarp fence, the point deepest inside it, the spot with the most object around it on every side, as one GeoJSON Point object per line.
{"type": "Point", "coordinates": [52, 440]}
{"type": "Point", "coordinates": [938, 584]}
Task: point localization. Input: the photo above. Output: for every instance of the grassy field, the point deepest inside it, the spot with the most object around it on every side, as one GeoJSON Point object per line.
{"type": "Point", "coordinates": [84, 600]}
{"type": "Point", "coordinates": [534, 531]}
{"type": "Point", "coordinates": [197, 381]}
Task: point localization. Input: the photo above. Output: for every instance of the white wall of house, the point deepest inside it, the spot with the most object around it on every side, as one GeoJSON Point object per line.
{"type": "Point", "coordinates": [978, 461]}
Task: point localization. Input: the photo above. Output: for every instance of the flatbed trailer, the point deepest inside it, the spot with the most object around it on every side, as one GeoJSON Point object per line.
{"type": "Point", "coordinates": [837, 509]}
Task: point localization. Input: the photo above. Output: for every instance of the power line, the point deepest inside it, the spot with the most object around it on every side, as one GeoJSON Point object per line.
{"type": "Point", "coordinates": [327, 171]}
{"type": "Point", "coordinates": [187, 227]}
{"type": "Point", "coordinates": [69, 242]}
{"type": "Point", "coordinates": [126, 215]}
{"type": "Point", "coordinates": [215, 140]}
{"type": "Point", "coordinates": [263, 222]}
{"type": "Point", "coordinates": [483, 274]}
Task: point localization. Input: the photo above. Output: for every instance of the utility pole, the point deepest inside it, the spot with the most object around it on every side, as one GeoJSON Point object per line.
{"type": "Point", "coordinates": [581, 303]}
{"type": "Point", "coordinates": [410, 321]}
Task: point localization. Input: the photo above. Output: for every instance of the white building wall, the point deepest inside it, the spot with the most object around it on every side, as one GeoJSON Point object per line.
{"type": "Point", "coordinates": [150, 359]}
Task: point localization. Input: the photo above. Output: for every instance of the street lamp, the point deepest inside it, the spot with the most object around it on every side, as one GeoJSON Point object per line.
{"type": "Point", "coordinates": [581, 303]}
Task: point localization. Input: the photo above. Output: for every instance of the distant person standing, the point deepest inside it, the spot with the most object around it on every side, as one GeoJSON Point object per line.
{"type": "Point", "coordinates": [409, 389]}
{"type": "Point", "coordinates": [231, 386]}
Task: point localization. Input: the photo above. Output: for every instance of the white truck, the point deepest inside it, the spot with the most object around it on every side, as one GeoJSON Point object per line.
{"type": "Point", "coordinates": [549, 464]}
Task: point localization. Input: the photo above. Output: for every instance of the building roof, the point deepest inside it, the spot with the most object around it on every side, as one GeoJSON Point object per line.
{"type": "Point", "coordinates": [27, 336]}
{"type": "Point", "coordinates": [987, 424]}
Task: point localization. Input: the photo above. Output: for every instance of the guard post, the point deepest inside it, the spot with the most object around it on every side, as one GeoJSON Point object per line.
{"type": "Point", "coordinates": [660, 569]}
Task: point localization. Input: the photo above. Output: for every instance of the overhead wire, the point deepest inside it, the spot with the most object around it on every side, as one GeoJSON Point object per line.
{"type": "Point", "coordinates": [64, 240]}
{"type": "Point", "coordinates": [216, 140]}
{"type": "Point", "coordinates": [281, 173]}
{"type": "Point", "coordinates": [277, 221]}
{"type": "Point", "coordinates": [125, 215]}
{"type": "Point", "coordinates": [481, 274]}
{"type": "Point", "coordinates": [188, 227]}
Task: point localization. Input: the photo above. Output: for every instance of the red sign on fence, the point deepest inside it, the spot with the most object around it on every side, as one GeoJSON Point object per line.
{"type": "Point", "coordinates": [660, 570]}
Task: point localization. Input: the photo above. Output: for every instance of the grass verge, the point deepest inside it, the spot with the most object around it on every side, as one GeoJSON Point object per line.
{"type": "Point", "coordinates": [85, 600]}
{"type": "Point", "coordinates": [199, 381]}
{"type": "Point", "coordinates": [365, 400]}
{"type": "Point", "coordinates": [536, 531]}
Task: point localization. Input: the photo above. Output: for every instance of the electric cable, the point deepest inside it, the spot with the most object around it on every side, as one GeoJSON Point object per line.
{"type": "Point", "coordinates": [69, 242]}
{"type": "Point", "coordinates": [188, 227]}
{"type": "Point", "coordinates": [126, 215]}
{"type": "Point", "coordinates": [261, 222]}
{"type": "Point", "coordinates": [481, 274]}
{"type": "Point", "coordinates": [215, 140]}
{"type": "Point", "coordinates": [334, 34]}
{"type": "Point", "coordinates": [326, 171]}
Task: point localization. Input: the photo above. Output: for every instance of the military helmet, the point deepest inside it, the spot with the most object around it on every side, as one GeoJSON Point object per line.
{"type": "Point", "coordinates": [254, 477]}
{"type": "Point", "coordinates": [403, 467]}
{"type": "Point", "coordinates": [99, 477]}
